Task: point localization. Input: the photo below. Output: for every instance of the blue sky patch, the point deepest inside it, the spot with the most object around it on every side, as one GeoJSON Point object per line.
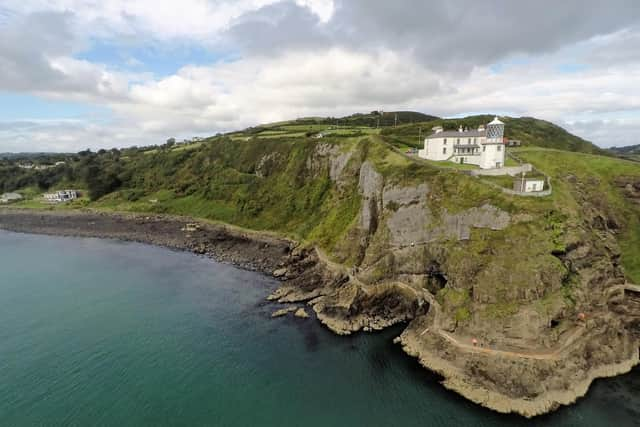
{"type": "Point", "coordinates": [15, 106]}
{"type": "Point", "coordinates": [160, 59]}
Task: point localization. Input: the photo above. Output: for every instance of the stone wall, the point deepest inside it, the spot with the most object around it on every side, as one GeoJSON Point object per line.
{"type": "Point", "coordinates": [511, 170]}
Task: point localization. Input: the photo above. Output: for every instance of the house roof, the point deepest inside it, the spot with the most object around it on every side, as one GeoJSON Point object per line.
{"type": "Point", "coordinates": [496, 121]}
{"type": "Point", "coordinates": [458, 134]}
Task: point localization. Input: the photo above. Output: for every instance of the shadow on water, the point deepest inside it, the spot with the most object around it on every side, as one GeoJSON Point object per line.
{"type": "Point", "coordinates": [309, 329]}
{"type": "Point", "coordinates": [619, 395]}
{"type": "Point", "coordinates": [609, 401]}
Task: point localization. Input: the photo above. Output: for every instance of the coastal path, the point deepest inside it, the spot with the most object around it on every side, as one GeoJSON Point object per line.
{"type": "Point", "coordinates": [555, 353]}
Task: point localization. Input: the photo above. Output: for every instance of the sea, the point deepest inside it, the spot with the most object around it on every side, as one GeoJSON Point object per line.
{"type": "Point", "coordinates": [106, 333]}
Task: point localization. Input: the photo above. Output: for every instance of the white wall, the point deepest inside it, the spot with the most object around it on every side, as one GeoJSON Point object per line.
{"type": "Point", "coordinates": [492, 154]}
{"type": "Point", "coordinates": [511, 170]}
{"type": "Point", "coordinates": [531, 186]}
{"type": "Point", "coordinates": [468, 159]}
{"type": "Point", "coordinates": [433, 149]}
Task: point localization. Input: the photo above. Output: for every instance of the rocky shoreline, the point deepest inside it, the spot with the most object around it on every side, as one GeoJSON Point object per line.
{"type": "Point", "coordinates": [344, 304]}
{"type": "Point", "coordinates": [245, 249]}
{"type": "Point", "coordinates": [454, 365]}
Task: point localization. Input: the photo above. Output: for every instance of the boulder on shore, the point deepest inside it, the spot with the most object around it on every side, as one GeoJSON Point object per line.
{"type": "Point", "coordinates": [301, 313]}
{"type": "Point", "coordinates": [284, 311]}
{"type": "Point", "coordinates": [280, 272]}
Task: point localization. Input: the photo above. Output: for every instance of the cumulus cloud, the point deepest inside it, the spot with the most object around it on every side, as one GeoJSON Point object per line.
{"type": "Point", "coordinates": [162, 20]}
{"type": "Point", "coordinates": [571, 62]}
{"type": "Point", "coordinates": [446, 35]}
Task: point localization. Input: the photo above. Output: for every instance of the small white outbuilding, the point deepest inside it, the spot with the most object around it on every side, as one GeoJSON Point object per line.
{"type": "Point", "coordinates": [10, 197]}
{"type": "Point", "coordinates": [528, 185]}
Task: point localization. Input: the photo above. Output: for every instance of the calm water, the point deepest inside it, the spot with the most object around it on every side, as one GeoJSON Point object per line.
{"type": "Point", "coordinates": [99, 332]}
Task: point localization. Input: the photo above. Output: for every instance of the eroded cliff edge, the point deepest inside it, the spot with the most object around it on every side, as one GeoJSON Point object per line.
{"type": "Point", "coordinates": [518, 304]}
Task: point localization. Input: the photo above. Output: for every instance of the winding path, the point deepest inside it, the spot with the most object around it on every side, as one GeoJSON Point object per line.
{"type": "Point", "coordinates": [550, 354]}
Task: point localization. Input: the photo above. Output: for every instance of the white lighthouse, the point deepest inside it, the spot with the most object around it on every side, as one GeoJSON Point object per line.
{"type": "Point", "coordinates": [493, 147]}
{"type": "Point", "coordinates": [495, 131]}
{"type": "Point", "coordinates": [483, 147]}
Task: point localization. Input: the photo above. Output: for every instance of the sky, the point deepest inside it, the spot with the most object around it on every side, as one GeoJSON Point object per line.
{"type": "Point", "coordinates": [78, 74]}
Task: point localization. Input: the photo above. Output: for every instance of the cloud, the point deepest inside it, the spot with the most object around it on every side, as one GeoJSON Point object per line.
{"type": "Point", "coordinates": [160, 20]}
{"type": "Point", "coordinates": [259, 89]}
{"type": "Point", "coordinates": [610, 132]}
{"type": "Point", "coordinates": [39, 60]}
{"type": "Point", "coordinates": [620, 47]}
{"type": "Point", "coordinates": [453, 36]}
{"type": "Point", "coordinates": [24, 54]}
{"type": "Point", "coordinates": [295, 58]}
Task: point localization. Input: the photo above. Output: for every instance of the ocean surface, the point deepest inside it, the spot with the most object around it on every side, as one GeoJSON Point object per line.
{"type": "Point", "coordinates": [99, 332]}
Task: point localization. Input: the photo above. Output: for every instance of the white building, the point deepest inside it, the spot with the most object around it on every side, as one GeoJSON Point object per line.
{"type": "Point", "coordinates": [483, 147]}
{"type": "Point", "coordinates": [61, 196]}
{"type": "Point", "coordinates": [10, 197]}
{"type": "Point", "coordinates": [528, 185]}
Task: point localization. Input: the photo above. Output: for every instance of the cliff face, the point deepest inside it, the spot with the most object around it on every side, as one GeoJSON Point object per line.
{"type": "Point", "coordinates": [519, 304]}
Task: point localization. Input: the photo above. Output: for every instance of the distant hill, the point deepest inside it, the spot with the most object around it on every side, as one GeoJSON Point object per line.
{"type": "Point", "coordinates": [36, 158]}
{"type": "Point", "coordinates": [631, 152]}
{"type": "Point", "coordinates": [25, 156]}
{"type": "Point", "coordinates": [372, 119]}
{"type": "Point", "coordinates": [528, 130]}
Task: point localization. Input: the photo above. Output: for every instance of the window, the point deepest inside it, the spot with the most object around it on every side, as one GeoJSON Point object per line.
{"type": "Point", "coordinates": [469, 141]}
{"type": "Point", "coordinates": [474, 140]}
{"type": "Point", "coordinates": [484, 148]}
{"type": "Point", "coordinates": [444, 150]}
{"type": "Point", "coordinates": [458, 140]}
{"type": "Point", "coordinates": [445, 141]}
{"type": "Point", "coordinates": [499, 147]}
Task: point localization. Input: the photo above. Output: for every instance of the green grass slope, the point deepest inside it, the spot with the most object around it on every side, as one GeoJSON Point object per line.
{"type": "Point", "coordinates": [584, 182]}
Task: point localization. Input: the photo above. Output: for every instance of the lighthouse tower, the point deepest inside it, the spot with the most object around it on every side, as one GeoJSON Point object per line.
{"type": "Point", "coordinates": [495, 131]}
{"type": "Point", "coordinates": [493, 152]}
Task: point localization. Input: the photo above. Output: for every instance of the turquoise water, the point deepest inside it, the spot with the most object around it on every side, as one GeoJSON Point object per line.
{"type": "Point", "coordinates": [96, 332]}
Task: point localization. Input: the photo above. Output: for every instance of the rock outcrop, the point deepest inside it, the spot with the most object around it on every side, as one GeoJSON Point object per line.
{"type": "Point", "coordinates": [510, 308]}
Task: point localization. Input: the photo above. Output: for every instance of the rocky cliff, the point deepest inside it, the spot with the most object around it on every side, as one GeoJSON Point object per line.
{"type": "Point", "coordinates": [518, 304]}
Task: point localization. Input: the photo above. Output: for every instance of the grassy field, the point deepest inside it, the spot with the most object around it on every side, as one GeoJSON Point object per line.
{"type": "Point", "coordinates": [530, 131]}
{"type": "Point", "coordinates": [580, 178]}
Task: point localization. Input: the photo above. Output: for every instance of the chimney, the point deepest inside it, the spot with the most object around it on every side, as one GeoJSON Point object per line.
{"type": "Point", "coordinates": [460, 128]}
{"type": "Point", "coordinates": [480, 128]}
{"type": "Point", "coordinates": [436, 129]}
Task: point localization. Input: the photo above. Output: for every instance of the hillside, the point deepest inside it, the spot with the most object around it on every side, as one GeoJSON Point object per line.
{"type": "Point", "coordinates": [372, 119]}
{"type": "Point", "coordinates": [530, 131]}
{"type": "Point", "coordinates": [631, 152]}
{"type": "Point", "coordinates": [538, 282]}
